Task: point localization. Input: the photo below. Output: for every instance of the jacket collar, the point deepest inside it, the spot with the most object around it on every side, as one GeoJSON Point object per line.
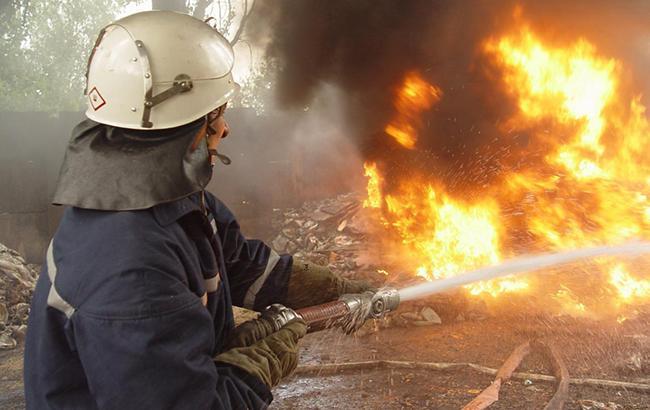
{"type": "Point", "coordinates": [169, 212]}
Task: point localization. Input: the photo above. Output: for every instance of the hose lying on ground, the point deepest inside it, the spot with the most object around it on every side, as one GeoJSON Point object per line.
{"type": "Point", "coordinates": [332, 368]}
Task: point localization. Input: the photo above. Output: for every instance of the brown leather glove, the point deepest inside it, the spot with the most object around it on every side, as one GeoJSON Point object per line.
{"type": "Point", "coordinates": [271, 358]}
{"type": "Point", "coordinates": [312, 284]}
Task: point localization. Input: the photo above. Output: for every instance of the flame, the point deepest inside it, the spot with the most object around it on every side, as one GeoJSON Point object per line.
{"type": "Point", "coordinates": [431, 222]}
{"type": "Point", "coordinates": [446, 235]}
{"type": "Point", "coordinates": [569, 302]}
{"type": "Point", "coordinates": [590, 185]}
{"type": "Point", "coordinates": [374, 186]}
{"type": "Point", "coordinates": [413, 97]}
{"type": "Point", "coordinates": [627, 286]}
{"type": "Point", "coordinates": [599, 188]}
{"type": "Point", "coordinates": [570, 84]}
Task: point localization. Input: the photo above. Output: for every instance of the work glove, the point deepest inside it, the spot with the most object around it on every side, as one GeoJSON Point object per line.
{"type": "Point", "coordinates": [249, 332]}
{"type": "Point", "coordinates": [311, 284]}
{"type": "Point", "coordinates": [270, 359]}
{"type": "Point", "coordinates": [272, 319]}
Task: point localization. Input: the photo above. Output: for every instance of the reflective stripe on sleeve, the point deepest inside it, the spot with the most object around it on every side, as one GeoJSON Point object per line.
{"type": "Point", "coordinates": [251, 294]}
{"type": "Point", "coordinates": [53, 298]}
{"type": "Point", "coordinates": [212, 284]}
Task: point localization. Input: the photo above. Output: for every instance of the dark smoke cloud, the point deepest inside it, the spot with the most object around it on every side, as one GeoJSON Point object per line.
{"type": "Point", "coordinates": [365, 47]}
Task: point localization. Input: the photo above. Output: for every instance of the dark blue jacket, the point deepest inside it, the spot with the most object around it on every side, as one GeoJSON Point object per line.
{"type": "Point", "coordinates": [131, 307]}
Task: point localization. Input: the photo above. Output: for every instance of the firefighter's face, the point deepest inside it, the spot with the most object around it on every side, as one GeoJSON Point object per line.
{"type": "Point", "coordinates": [217, 128]}
{"type": "Point", "coordinates": [214, 130]}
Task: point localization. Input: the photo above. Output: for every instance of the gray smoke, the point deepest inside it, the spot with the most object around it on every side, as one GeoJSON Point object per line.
{"type": "Point", "coordinates": [364, 47]}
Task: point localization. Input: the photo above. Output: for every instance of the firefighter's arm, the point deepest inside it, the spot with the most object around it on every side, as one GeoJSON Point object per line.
{"type": "Point", "coordinates": [257, 275]}
{"type": "Point", "coordinates": [260, 277]}
{"type": "Point", "coordinates": [311, 284]}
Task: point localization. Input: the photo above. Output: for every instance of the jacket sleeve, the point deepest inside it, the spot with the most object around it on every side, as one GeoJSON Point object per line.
{"type": "Point", "coordinates": [258, 276]}
{"type": "Point", "coordinates": [161, 361]}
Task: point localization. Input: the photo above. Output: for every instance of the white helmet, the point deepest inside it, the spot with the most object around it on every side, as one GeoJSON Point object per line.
{"type": "Point", "coordinates": [156, 70]}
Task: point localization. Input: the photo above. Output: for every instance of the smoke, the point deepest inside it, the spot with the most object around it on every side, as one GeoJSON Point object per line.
{"type": "Point", "coordinates": [324, 153]}
{"type": "Point", "coordinates": [365, 47]}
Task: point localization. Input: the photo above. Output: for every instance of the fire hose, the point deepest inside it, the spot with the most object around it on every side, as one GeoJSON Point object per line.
{"type": "Point", "coordinates": [348, 312]}
{"type": "Point", "coordinates": [351, 311]}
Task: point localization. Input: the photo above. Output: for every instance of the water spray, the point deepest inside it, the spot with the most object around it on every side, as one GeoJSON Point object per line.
{"type": "Point", "coordinates": [521, 265]}
{"type": "Point", "coordinates": [350, 311]}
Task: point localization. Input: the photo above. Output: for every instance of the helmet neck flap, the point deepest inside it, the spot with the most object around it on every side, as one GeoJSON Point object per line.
{"type": "Point", "coordinates": [118, 169]}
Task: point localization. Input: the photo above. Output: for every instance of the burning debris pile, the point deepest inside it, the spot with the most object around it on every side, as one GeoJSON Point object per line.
{"type": "Point", "coordinates": [524, 132]}
{"type": "Point", "coordinates": [581, 181]}
{"type": "Point", "coordinates": [342, 234]}
{"type": "Point", "coordinates": [17, 281]}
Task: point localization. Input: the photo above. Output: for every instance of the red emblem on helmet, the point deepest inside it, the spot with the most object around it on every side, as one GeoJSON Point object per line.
{"type": "Point", "coordinates": [96, 99]}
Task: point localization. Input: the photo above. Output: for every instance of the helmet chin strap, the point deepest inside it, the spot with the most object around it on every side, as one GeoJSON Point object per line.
{"type": "Point", "coordinates": [215, 154]}
{"type": "Point", "coordinates": [211, 131]}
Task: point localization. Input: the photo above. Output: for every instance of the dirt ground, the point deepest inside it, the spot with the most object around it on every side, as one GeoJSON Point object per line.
{"type": "Point", "coordinates": [379, 389]}
{"type": "Point", "coordinates": [11, 379]}
{"type": "Point", "coordinates": [589, 349]}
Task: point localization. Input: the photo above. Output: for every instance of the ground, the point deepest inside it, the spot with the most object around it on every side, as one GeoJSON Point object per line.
{"type": "Point", "coordinates": [590, 349]}
{"type": "Point", "coordinates": [11, 379]}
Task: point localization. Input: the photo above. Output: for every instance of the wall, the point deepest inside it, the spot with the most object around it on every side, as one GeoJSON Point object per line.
{"type": "Point", "coordinates": [31, 148]}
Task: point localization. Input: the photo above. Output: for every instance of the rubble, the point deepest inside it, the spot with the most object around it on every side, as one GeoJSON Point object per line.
{"type": "Point", "coordinates": [17, 281]}
{"type": "Point", "coordinates": [7, 341]}
{"type": "Point", "coordinates": [592, 404]}
{"type": "Point", "coordinates": [430, 315]}
{"type": "Point", "coordinates": [325, 232]}
{"type": "Point", "coordinates": [4, 314]}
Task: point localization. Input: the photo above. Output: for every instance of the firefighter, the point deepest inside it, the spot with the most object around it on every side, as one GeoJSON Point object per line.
{"type": "Point", "coordinates": [133, 307]}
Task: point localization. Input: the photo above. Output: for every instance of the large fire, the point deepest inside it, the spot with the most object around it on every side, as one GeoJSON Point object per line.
{"type": "Point", "coordinates": [590, 186]}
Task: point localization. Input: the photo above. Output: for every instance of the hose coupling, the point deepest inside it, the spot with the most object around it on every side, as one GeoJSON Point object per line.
{"type": "Point", "coordinates": [280, 315]}
{"type": "Point", "coordinates": [383, 301]}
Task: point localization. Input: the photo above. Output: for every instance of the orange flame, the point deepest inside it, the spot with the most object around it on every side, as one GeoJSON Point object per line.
{"type": "Point", "coordinates": [570, 84]}
{"type": "Point", "coordinates": [595, 193]}
{"type": "Point", "coordinates": [374, 186]}
{"type": "Point", "coordinates": [627, 286]}
{"type": "Point", "coordinates": [414, 97]}
{"type": "Point", "coordinates": [446, 236]}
